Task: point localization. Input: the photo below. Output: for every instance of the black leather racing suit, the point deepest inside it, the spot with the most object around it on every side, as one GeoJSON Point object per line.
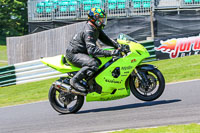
{"type": "Point", "coordinates": [81, 46]}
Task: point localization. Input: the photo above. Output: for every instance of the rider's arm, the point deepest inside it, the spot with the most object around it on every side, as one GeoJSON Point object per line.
{"type": "Point", "coordinates": [91, 45]}
{"type": "Point", "coordinates": [106, 40]}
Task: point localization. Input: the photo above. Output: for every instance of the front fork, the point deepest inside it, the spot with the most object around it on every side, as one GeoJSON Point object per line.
{"type": "Point", "coordinates": [143, 78]}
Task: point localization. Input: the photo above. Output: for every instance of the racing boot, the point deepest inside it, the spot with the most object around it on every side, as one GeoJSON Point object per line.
{"type": "Point", "coordinates": [75, 82]}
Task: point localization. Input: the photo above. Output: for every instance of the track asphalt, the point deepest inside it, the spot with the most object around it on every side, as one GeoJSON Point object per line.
{"type": "Point", "coordinates": [179, 104]}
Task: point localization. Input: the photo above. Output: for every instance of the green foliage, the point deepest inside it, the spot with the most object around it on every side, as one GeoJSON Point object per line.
{"type": "Point", "coordinates": [13, 16]}
{"type": "Point", "coordinates": [2, 40]}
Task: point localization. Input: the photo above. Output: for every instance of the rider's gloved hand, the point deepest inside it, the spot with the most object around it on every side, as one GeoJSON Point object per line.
{"type": "Point", "coordinates": [115, 52]}
{"type": "Point", "coordinates": [125, 48]}
{"type": "Point", "coordinates": [122, 46]}
{"type": "Point", "coordinates": [117, 45]}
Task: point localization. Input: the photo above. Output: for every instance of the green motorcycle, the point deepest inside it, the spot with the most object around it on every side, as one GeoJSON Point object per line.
{"type": "Point", "coordinates": [116, 77]}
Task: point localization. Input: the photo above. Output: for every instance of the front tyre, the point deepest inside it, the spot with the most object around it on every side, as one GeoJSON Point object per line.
{"type": "Point", "coordinates": [63, 102]}
{"type": "Point", "coordinates": [155, 87]}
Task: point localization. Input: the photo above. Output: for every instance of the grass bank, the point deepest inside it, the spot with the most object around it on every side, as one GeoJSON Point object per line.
{"type": "Point", "coordinates": [179, 69]}
{"type": "Point", "coordinates": [191, 128]}
{"type": "Point", "coordinates": [25, 93]}
{"type": "Point", "coordinates": [3, 55]}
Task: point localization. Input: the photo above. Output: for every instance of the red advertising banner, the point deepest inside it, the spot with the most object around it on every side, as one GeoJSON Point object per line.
{"type": "Point", "coordinates": [177, 47]}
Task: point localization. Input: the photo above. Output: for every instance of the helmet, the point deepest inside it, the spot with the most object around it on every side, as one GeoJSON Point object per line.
{"type": "Point", "coordinates": [95, 15]}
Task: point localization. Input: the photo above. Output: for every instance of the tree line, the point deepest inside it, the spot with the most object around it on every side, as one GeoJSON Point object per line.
{"type": "Point", "coordinates": [13, 19]}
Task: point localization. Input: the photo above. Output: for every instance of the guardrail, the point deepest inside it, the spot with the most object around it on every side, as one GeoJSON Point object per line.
{"type": "Point", "coordinates": [36, 71]}
{"type": "Point", "coordinates": [26, 72]}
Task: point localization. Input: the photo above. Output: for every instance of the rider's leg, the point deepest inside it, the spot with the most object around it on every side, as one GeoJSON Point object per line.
{"type": "Point", "coordinates": [89, 66]}
{"type": "Point", "coordinates": [75, 81]}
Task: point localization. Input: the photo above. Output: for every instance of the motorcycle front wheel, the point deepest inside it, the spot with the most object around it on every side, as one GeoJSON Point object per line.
{"type": "Point", "coordinates": [155, 89]}
{"type": "Point", "coordinates": [63, 102]}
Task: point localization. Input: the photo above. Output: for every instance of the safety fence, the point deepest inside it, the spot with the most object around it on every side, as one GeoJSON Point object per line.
{"type": "Point", "coordinates": [176, 4]}
{"type": "Point", "coordinates": [36, 71]}
{"type": "Point", "coordinates": [168, 3]}
{"type": "Point", "coordinates": [190, 3]}
{"type": "Point", "coordinates": [77, 9]}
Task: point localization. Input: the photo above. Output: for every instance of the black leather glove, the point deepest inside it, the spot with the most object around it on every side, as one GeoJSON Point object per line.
{"type": "Point", "coordinates": [115, 52]}
{"type": "Point", "coordinates": [117, 45]}
{"type": "Point", "coordinates": [124, 48]}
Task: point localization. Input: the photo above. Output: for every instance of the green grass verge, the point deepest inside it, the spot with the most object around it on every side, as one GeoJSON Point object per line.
{"type": "Point", "coordinates": [3, 64]}
{"type": "Point", "coordinates": [179, 69]}
{"type": "Point", "coordinates": [191, 128]}
{"type": "Point", "coordinates": [25, 93]}
{"type": "Point", "coordinates": [3, 55]}
{"type": "Point", "coordinates": [3, 52]}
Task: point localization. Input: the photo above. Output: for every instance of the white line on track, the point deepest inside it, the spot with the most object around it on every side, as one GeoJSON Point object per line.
{"type": "Point", "coordinates": [47, 100]}
{"type": "Point", "coordinates": [138, 128]}
{"type": "Point", "coordinates": [23, 104]}
{"type": "Point", "coordinates": [183, 82]}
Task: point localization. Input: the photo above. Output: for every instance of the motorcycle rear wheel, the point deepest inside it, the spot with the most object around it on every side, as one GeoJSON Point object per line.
{"type": "Point", "coordinates": [157, 84]}
{"type": "Point", "coordinates": [60, 101]}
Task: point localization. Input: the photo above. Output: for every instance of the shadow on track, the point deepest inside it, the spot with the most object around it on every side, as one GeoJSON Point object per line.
{"type": "Point", "coordinates": [137, 105]}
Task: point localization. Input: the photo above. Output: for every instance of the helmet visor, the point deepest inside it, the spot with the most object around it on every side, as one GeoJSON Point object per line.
{"type": "Point", "coordinates": [103, 20]}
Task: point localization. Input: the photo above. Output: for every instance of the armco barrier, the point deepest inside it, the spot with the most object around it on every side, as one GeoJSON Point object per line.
{"type": "Point", "coordinates": [26, 72]}
{"type": "Point", "coordinates": [149, 45]}
{"type": "Point", "coordinates": [35, 71]}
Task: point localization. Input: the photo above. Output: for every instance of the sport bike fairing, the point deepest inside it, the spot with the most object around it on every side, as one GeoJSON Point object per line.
{"type": "Point", "coordinates": [56, 63]}
{"type": "Point", "coordinates": [117, 87]}
{"type": "Point", "coordinates": [112, 79]}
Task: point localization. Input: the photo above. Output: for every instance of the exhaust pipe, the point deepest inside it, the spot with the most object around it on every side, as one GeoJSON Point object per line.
{"type": "Point", "coordinates": [66, 88]}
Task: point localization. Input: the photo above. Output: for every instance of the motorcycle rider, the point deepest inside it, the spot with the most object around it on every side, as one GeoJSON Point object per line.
{"type": "Point", "coordinates": [83, 46]}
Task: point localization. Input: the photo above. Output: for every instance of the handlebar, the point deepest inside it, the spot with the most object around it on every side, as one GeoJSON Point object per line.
{"type": "Point", "coordinates": [125, 49]}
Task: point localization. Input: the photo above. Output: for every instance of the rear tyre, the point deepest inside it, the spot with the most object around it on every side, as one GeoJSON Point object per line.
{"type": "Point", "coordinates": [63, 102]}
{"type": "Point", "coordinates": [156, 86]}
